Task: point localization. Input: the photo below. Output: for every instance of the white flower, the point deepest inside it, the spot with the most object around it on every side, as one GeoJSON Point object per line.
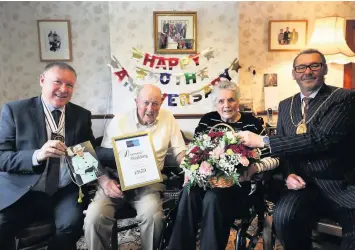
{"type": "Point", "coordinates": [206, 137]}
{"type": "Point", "coordinates": [230, 135]}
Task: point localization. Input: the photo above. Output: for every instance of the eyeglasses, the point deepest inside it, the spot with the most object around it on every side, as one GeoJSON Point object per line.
{"type": "Point", "coordinates": [302, 68]}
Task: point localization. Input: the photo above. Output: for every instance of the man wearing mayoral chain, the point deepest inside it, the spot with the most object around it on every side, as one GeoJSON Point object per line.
{"type": "Point", "coordinates": [34, 178]}
{"type": "Point", "coordinates": [315, 142]}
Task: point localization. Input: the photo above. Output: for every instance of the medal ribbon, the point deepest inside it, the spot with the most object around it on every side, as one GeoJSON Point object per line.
{"type": "Point", "coordinates": [51, 122]}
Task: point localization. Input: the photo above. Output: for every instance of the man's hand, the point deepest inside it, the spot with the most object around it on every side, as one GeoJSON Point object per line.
{"type": "Point", "coordinates": [295, 182]}
{"type": "Point", "coordinates": [52, 148]}
{"type": "Point", "coordinates": [252, 169]}
{"type": "Point", "coordinates": [250, 139]}
{"type": "Point", "coordinates": [111, 187]}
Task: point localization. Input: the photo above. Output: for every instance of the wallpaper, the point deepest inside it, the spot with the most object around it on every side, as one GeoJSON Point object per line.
{"type": "Point", "coordinates": [253, 44]}
{"type": "Point", "coordinates": [20, 66]}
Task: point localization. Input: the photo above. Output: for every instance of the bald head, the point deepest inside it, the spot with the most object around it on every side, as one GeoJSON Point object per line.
{"type": "Point", "coordinates": [146, 88]}
{"type": "Point", "coordinates": [148, 102]}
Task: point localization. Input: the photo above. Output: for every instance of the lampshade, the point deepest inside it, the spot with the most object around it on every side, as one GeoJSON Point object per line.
{"type": "Point", "coordinates": [329, 38]}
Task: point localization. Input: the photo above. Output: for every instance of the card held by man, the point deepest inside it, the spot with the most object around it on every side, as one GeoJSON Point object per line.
{"type": "Point", "coordinates": [83, 163]}
{"type": "Point", "coordinates": [136, 160]}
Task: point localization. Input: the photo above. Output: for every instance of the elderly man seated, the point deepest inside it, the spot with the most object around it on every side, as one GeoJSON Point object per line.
{"type": "Point", "coordinates": [100, 218]}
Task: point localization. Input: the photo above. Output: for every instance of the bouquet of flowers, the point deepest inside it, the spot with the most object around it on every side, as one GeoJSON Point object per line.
{"type": "Point", "coordinates": [217, 159]}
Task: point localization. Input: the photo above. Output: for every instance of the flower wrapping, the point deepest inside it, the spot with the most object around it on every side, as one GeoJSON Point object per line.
{"type": "Point", "coordinates": [218, 154]}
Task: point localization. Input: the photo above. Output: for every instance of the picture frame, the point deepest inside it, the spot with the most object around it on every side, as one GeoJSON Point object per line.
{"type": "Point", "coordinates": [136, 160]}
{"type": "Point", "coordinates": [175, 32]}
{"type": "Point", "coordinates": [270, 80]}
{"type": "Point", "coordinates": [287, 35]}
{"type": "Point", "coordinates": [54, 40]}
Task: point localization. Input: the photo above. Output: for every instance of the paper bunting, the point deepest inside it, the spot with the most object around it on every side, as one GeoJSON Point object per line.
{"type": "Point", "coordinates": [165, 78]}
{"type": "Point", "coordinates": [149, 59]}
{"type": "Point", "coordinates": [136, 54]}
{"type": "Point", "coordinates": [163, 97]}
{"type": "Point", "coordinates": [184, 62]}
{"type": "Point", "coordinates": [131, 85]}
{"type": "Point", "coordinates": [235, 65]}
{"type": "Point", "coordinates": [215, 81]}
{"type": "Point", "coordinates": [161, 63]}
{"type": "Point", "coordinates": [141, 73]}
{"type": "Point", "coordinates": [121, 74]}
{"type": "Point", "coordinates": [172, 100]}
{"type": "Point", "coordinates": [182, 99]}
{"type": "Point", "coordinates": [114, 64]}
{"type": "Point", "coordinates": [159, 76]}
{"type": "Point", "coordinates": [173, 62]}
{"type": "Point", "coordinates": [207, 89]}
{"type": "Point", "coordinates": [225, 74]}
{"type": "Point", "coordinates": [203, 73]}
{"type": "Point", "coordinates": [209, 55]}
{"type": "Point", "coordinates": [166, 62]}
{"type": "Point", "coordinates": [196, 59]}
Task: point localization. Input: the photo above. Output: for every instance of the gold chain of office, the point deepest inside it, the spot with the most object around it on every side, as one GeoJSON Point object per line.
{"type": "Point", "coordinates": [301, 126]}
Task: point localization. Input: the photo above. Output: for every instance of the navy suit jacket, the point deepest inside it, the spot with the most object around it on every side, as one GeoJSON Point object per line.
{"type": "Point", "coordinates": [323, 156]}
{"type": "Point", "coordinates": [22, 131]}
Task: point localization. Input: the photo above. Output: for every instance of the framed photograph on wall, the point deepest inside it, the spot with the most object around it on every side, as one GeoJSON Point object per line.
{"type": "Point", "coordinates": [287, 35]}
{"type": "Point", "coordinates": [175, 32]}
{"type": "Point", "coordinates": [54, 38]}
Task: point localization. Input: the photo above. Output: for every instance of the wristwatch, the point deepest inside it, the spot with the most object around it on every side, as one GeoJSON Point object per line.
{"type": "Point", "coordinates": [266, 141]}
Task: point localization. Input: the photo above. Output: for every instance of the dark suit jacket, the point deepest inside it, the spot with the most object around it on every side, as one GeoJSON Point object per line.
{"type": "Point", "coordinates": [22, 131]}
{"type": "Point", "coordinates": [325, 155]}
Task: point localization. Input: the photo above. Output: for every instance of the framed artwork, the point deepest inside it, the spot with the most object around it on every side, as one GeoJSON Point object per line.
{"type": "Point", "coordinates": [175, 32]}
{"type": "Point", "coordinates": [54, 39]}
{"type": "Point", "coordinates": [287, 35]}
{"type": "Point", "coordinates": [270, 80]}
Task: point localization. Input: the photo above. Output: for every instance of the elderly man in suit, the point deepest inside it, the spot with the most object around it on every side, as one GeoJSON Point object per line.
{"type": "Point", "coordinates": [34, 179]}
{"type": "Point", "coordinates": [315, 140]}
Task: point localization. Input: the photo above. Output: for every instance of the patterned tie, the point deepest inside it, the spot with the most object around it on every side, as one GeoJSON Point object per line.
{"type": "Point", "coordinates": [52, 180]}
{"type": "Point", "coordinates": [306, 105]}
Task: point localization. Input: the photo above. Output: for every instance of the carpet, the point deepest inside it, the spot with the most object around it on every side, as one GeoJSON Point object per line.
{"type": "Point", "coordinates": [130, 239]}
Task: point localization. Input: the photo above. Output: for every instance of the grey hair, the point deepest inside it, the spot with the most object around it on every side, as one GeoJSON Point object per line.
{"type": "Point", "coordinates": [225, 84]}
{"type": "Point", "coordinates": [61, 65]}
{"type": "Point", "coordinates": [311, 51]}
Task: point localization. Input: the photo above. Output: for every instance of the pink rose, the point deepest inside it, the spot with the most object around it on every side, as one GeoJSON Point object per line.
{"type": "Point", "coordinates": [218, 152]}
{"type": "Point", "coordinates": [205, 168]}
{"type": "Point", "coordinates": [244, 161]}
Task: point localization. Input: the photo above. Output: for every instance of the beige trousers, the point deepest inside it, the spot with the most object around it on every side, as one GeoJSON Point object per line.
{"type": "Point", "coordinates": [100, 216]}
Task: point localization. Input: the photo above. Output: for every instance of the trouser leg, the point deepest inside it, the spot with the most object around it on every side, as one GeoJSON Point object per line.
{"type": "Point", "coordinates": [219, 209]}
{"type": "Point", "coordinates": [293, 219]}
{"type": "Point", "coordinates": [186, 223]}
{"type": "Point", "coordinates": [148, 204]}
{"type": "Point", "coordinates": [68, 217]}
{"type": "Point", "coordinates": [99, 221]}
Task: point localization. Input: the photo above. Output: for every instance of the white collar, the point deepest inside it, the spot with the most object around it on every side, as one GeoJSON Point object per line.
{"type": "Point", "coordinates": [312, 95]}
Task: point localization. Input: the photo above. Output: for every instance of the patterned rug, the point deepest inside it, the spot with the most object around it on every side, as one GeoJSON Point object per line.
{"type": "Point", "coordinates": [130, 239]}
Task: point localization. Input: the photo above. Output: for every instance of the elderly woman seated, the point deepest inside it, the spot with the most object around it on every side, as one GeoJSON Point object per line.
{"type": "Point", "coordinates": [216, 208]}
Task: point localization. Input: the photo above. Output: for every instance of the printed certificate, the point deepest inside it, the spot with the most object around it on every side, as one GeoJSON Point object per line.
{"type": "Point", "coordinates": [136, 160]}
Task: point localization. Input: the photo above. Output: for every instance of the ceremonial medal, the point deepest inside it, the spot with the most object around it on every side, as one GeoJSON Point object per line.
{"type": "Point", "coordinates": [301, 128]}
{"type": "Point", "coordinates": [57, 137]}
